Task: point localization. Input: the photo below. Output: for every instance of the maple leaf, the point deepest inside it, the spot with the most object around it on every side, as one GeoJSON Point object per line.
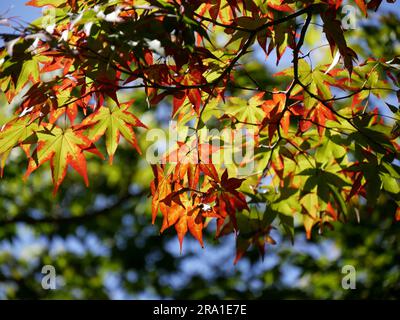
{"type": "Point", "coordinates": [62, 148]}
{"type": "Point", "coordinates": [356, 186]}
{"type": "Point", "coordinates": [104, 86]}
{"type": "Point", "coordinates": [186, 212]}
{"type": "Point", "coordinates": [318, 116]}
{"type": "Point", "coordinates": [186, 216]}
{"type": "Point", "coordinates": [334, 3]}
{"type": "Point", "coordinates": [225, 11]}
{"type": "Point", "coordinates": [160, 188]}
{"type": "Point", "coordinates": [258, 238]}
{"type": "Point", "coordinates": [334, 34]}
{"type": "Point", "coordinates": [279, 5]}
{"type": "Point", "coordinates": [193, 152]}
{"type": "Point", "coordinates": [167, 188]}
{"type": "Point", "coordinates": [276, 115]}
{"type": "Point", "coordinates": [15, 132]}
{"type": "Point", "coordinates": [71, 112]}
{"type": "Point", "coordinates": [246, 111]}
{"type": "Point", "coordinates": [194, 97]}
{"type": "Point", "coordinates": [227, 200]}
{"type": "Point", "coordinates": [42, 3]}
{"type": "Point", "coordinates": [112, 123]}
{"type": "Point", "coordinates": [362, 5]}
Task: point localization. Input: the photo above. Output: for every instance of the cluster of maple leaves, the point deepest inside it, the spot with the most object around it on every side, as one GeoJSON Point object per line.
{"type": "Point", "coordinates": [165, 48]}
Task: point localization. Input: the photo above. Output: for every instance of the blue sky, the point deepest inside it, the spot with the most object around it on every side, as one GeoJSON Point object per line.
{"type": "Point", "coordinates": [17, 8]}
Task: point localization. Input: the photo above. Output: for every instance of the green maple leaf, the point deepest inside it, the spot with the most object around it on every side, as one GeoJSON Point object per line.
{"type": "Point", "coordinates": [42, 3]}
{"type": "Point", "coordinates": [112, 123]}
{"type": "Point", "coordinates": [13, 133]}
{"type": "Point", "coordinates": [246, 111]}
{"type": "Point", "coordinates": [62, 148]}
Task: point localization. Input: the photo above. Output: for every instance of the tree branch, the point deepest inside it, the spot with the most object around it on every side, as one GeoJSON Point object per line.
{"type": "Point", "coordinates": [296, 52]}
{"type": "Point", "coordinates": [70, 219]}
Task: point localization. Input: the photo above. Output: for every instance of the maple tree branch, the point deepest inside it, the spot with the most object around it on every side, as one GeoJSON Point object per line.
{"type": "Point", "coordinates": [296, 52]}
{"type": "Point", "coordinates": [150, 84]}
{"type": "Point", "coordinates": [225, 73]}
{"type": "Point", "coordinates": [249, 42]}
{"type": "Point", "coordinates": [220, 24]}
{"type": "Point", "coordinates": [297, 80]}
{"type": "Point", "coordinates": [302, 152]}
{"type": "Point", "coordinates": [363, 88]}
{"type": "Point", "coordinates": [268, 24]}
{"type": "Point", "coordinates": [324, 126]}
{"type": "Point", "coordinates": [71, 219]}
{"type": "Point", "coordinates": [332, 109]}
{"type": "Point", "coordinates": [227, 70]}
{"type": "Point", "coordinates": [255, 89]}
{"type": "Point", "coordinates": [253, 34]}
